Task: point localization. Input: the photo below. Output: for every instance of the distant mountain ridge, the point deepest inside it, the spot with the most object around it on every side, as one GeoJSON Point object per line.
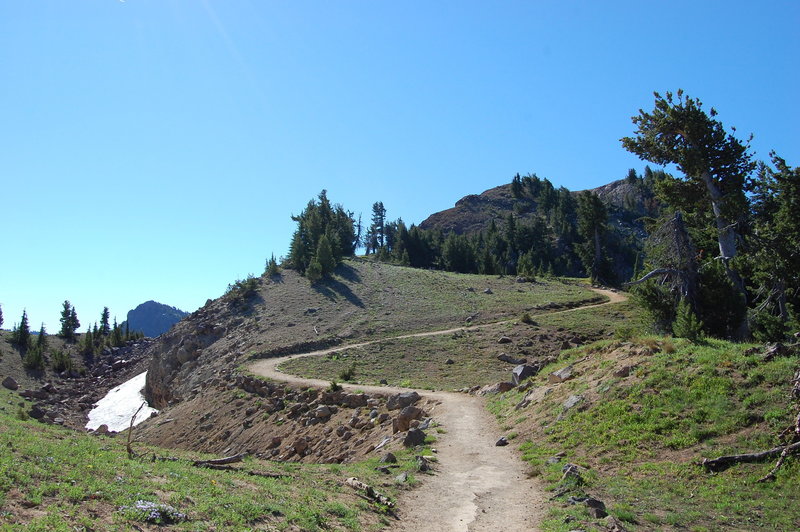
{"type": "Point", "coordinates": [153, 318]}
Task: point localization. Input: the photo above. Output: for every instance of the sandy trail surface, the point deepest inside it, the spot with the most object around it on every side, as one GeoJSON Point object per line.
{"type": "Point", "coordinates": [477, 486]}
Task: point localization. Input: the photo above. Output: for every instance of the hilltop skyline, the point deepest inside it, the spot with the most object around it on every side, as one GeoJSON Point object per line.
{"type": "Point", "coordinates": [157, 150]}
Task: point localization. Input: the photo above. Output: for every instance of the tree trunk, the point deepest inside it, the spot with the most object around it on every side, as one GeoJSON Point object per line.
{"type": "Point", "coordinates": [726, 237]}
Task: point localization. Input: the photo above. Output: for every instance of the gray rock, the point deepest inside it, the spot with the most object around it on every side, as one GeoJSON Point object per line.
{"type": "Point", "coordinates": [389, 458]}
{"type": "Point", "coordinates": [597, 509]}
{"type": "Point", "coordinates": [422, 464]}
{"type": "Point", "coordinates": [572, 401]}
{"type": "Point", "coordinates": [524, 371]}
{"type": "Point", "coordinates": [449, 361]}
{"type": "Point", "coordinates": [511, 360]}
{"type": "Point", "coordinates": [502, 442]}
{"type": "Point", "coordinates": [402, 477]}
{"type": "Point", "coordinates": [494, 389]}
{"type": "Point", "coordinates": [624, 371]}
{"type": "Point", "coordinates": [414, 437]}
{"type": "Point", "coordinates": [402, 400]}
{"type": "Point", "coordinates": [504, 340]}
{"type": "Point", "coordinates": [488, 291]}
{"type": "Point", "coordinates": [564, 374]}
{"type": "Point", "coordinates": [10, 383]}
{"type": "Point", "coordinates": [322, 411]}
{"type": "Point", "coordinates": [36, 412]}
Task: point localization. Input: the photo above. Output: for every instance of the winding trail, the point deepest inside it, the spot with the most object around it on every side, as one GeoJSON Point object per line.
{"type": "Point", "coordinates": [477, 486]}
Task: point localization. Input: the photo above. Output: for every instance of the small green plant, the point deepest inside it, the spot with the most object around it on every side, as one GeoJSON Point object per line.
{"type": "Point", "coordinates": [272, 268]}
{"type": "Point", "coordinates": [241, 289]}
{"type": "Point", "coordinates": [335, 386]}
{"type": "Point", "coordinates": [60, 361]}
{"type": "Point", "coordinates": [348, 374]}
{"type": "Point", "coordinates": [22, 414]}
{"type": "Point", "coordinates": [686, 324]}
{"type": "Point", "coordinates": [526, 318]}
{"type": "Point", "coordinates": [33, 359]}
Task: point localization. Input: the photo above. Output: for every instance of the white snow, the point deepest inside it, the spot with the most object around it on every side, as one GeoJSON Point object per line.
{"type": "Point", "coordinates": [119, 405]}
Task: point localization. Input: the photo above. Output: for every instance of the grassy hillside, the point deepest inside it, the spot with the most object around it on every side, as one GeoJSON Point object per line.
{"type": "Point", "coordinates": [56, 479]}
{"type": "Point", "coordinates": [648, 411]}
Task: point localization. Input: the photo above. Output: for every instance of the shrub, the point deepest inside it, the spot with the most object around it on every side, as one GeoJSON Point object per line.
{"type": "Point", "coordinates": [33, 359]}
{"type": "Point", "coordinates": [60, 361]}
{"type": "Point", "coordinates": [348, 374]}
{"type": "Point", "coordinates": [526, 318]}
{"type": "Point", "coordinates": [334, 387]}
{"type": "Point", "coordinates": [687, 325]}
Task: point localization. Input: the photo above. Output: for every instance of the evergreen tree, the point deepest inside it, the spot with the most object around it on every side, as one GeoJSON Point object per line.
{"type": "Point", "coordinates": [116, 335]}
{"type": "Point", "coordinates": [516, 187]}
{"type": "Point", "coordinates": [87, 346]}
{"type": "Point", "coordinates": [272, 267]}
{"type": "Point", "coordinates": [687, 325]}
{"type": "Point", "coordinates": [105, 327]}
{"type": "Point", "coordinates": [1, 316]}
{"type": "Point", "coordinates": [41, 340]}
{"type": "Point", "coordinates": [324, 256]}
{"type": "Point", "coordinates": [592, 226]}
{"type": "Point", "coordinates": [378, 227]}
{"type": "Point", "coordinates": [21, 335]}
{"type": "Point", "coordinates": [69, 321]}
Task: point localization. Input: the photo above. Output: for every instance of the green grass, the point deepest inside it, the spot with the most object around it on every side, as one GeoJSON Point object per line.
{"type": "Point", "coordinates": [56, 479]}
{"type": "Point", "coordinates": [641, 437]}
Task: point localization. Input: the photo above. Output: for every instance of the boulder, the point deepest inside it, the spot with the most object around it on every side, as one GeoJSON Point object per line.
{"type": "Point", "coordinates": [597, 509]}
{"type": "Point", "coordinates": [389, 458]}
{"type": "Point", "coordinates": [402, 400]}
{"type": "Point", "coordinates": [403, 420]}
{"type": "Point", "coordinates": [414, 437]}
{"type": "Point", "coordinates": [624, 371]}
{"type": "Point", "coordinates": [511, 360]}
{"type": "Point", "coordinates": [354, 400]}
{"type": "Point", "coordinates": [322, 411]}
{"type": "Point", "coordinates": [564, 374]}
{"type": "Point", "coordinates": [524, 371]}
{"type": "Point", "coordinates": [493, 389]}
{"type": "Point", "coordinates": [572, 401]}
{"type": "Point", "coordinates": [10, 383]}
{"type": "Point", "coordinates": [502, 442]}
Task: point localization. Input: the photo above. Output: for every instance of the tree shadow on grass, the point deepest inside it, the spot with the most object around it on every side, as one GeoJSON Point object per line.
{"type": "Point", "coordinates": [333, 289]}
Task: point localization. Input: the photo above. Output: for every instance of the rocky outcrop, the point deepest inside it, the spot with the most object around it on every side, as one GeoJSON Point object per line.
{"type": "Point", "coordinates": [153, 319]}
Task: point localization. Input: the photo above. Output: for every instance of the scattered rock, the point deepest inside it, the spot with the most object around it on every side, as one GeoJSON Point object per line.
{"type": "Point", "coordinates": [449, 361]}
{"type": "Point", "coordinates": [402, 400]}
{"type": "Point", "coordinates": [322, 411]}
{"type": "Point", "coordinates": [402, 477]}
{"type": "Point", "coordinates": [511, 360]}
{"type": "Point", "coordinates": [624, 371]}
{"type": "Point", "coordinates": [572, 473]}
{"type": "Point", "coordinates": [34, 394]}
{"type": "Point", "coordinates": [572, 401]}
{"type": "Point", "coordinates": [414, 437]}
{"type": "Point", "coordinates": [422, 464]}
{"type": "Point", "coordinates": [493, 389]}
{"type": "Point", "coordinates": [564, 374]}
{"type": "Point", "coordinates": [403, 420]}
{"type": "Point", "coordinates": [504, 340]}
{"type": "Point", "coordinates": [502, 442]}
{"type": "Point", "coordinates": [384, 381]}
{"type": "Point", "coordinates": [596, 508]}
{"type": "Point", "coordinates": [36, 412]}
{"type": "Point", "coordinates": [389, 458]}
{"type": "Point", "coordinates": [102, 429]}
{"type": "Point", "coordinates": [488, 291]}
{"type": "Point", "coordinates": [614, 525]}
{"type": "Point", "coordinates": [524, 371]}
{"type": "Point", "coordinates": [10, 383]}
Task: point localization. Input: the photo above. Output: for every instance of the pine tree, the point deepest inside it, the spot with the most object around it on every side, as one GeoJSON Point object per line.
{"type": "Point", "coordinates": [116, 335]}
{"type": "Point", "coordinates": [1, 317]}
{"type": "Point", "coordinates": [69, 321]}
{"type": "Point", "coordinates": [687, 325]}
{"type": "Point", "coordinates": [87, 347]}
{"type": "Point", "coordinates": [41, 340]}
{"type": "Point", "coordinates": [21, 336]}
{"type": "Point", "coordinates": [272, 267]}
{"type": "Point", "coordinates": [105, 327]}
{"type": "Point", "coordinates": [325, 256]}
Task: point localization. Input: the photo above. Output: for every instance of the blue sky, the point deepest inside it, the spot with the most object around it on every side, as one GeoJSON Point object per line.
{"type": "Point", "coordinates": [155, 149]}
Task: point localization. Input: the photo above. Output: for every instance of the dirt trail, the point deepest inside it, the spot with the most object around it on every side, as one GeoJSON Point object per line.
{"type": "Point", "coordinates": [477, 486]}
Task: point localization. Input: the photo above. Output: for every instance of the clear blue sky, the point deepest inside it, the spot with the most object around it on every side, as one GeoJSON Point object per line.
{"type": "Point", "coordinates": [155, 149]}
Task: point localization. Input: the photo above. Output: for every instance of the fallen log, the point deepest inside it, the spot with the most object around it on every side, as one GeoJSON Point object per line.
{"type": "Point", "coordinates": [724, 462]}
{"type": "Point", "coordinates": [220, 461]}
{"type": "Point", "coordinates": [370, 492]}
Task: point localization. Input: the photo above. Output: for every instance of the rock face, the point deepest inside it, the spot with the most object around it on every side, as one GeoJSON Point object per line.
{"type": "Point", "coordinates": [153, 319]}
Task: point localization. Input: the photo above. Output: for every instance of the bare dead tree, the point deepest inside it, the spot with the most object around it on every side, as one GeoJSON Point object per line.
{"type": "Point", "coordinates": [674, 258]}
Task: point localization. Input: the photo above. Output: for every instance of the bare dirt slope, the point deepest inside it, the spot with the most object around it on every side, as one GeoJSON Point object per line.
{"type": "Point", "coordinates": [477, 486]}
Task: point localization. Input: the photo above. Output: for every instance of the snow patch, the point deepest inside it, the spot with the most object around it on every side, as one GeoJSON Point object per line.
{"type": "Point", "coordinates": [119, 405]}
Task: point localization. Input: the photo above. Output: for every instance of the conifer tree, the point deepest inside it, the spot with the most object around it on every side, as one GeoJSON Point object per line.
{"type": "Point", "coordinates": [41, 340]}
{"type": "Point", "coordinates": [1, 316]}
{"type": "Point", "coordinates": [116, 335]}
{"type": "Point", "coordinates": [21, 336]}
{"type": "Point", "coordinates": [105, 327]}
{"type": "Point", "coordinates": [69, 321]}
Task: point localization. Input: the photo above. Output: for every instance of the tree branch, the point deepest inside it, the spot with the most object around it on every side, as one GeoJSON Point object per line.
{"type": "Point", "coordinates": [659, 271]}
